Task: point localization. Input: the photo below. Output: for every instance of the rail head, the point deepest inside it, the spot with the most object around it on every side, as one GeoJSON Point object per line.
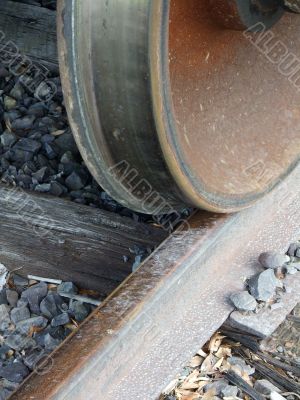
{"type": "Point", "coordinates": [161, 314]}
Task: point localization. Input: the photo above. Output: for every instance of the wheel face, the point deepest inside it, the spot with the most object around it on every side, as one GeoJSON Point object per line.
{"type": "Point", "coordinates": [168, 108]}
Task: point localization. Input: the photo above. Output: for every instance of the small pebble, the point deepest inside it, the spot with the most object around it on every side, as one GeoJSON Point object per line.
{"type": "Point", "coordinates": [19, 342]}
{"type": "Point", "coordinates": [50, 343]}
{"type": "Point", "coordinates": [216, 387]}
{"type": "Point", "coordinates": [12, 297]}
{"type": "Point", "coordinates": [293, 248]}
{"type": "Point", "coordinates": [4, 317]}
{"type": "Point", "coordinates": [230, 391]}
{"type": "Point", "coordinates": [3, 298]}
{"type": "Point", "coordinates": [265, 387]}
{"type": "Point", "coordinates": [241, 364]}
{"type": "Point", "coordinates": [14, 372]}
{"type": "Point", "coordinates": [9, 103]}
{"type": "Point", "coordinates": [31, 324]}
{"type": "Point", "coordinates": [276, 396]}
{"type": "Point", "coordinates": [291, 270]}
{"type": "Point", "coordinates": [263, 286]}
{"type": "Point", "coordinates": [67, 287]}
{"type": "Point", "coordinates": [19, 314]}
{"type": "Point", "coordinates": [52, 305]}
{"type": "Point", "coordinates": [19, 280]}
{"type": "Point", "coordinates": [243, 301]}
{"type": "Point", "coordinates": [34, 296]}
{"type": "Point", "coordinates": [61, 319]}
{"type": "Point", "coordinates": [79, 310]}
{"type": "Point", "coordinates": [273, 260]}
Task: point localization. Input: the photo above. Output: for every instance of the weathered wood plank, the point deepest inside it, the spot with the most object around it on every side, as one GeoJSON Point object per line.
{"type": "Point", "coordinates": [31, 30]}
{"type": "Point", "coordinates": [56, 238]}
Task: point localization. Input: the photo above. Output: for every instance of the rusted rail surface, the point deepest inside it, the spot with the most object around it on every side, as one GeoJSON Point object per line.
{"type": "Point", "coordinates": [131, 345]}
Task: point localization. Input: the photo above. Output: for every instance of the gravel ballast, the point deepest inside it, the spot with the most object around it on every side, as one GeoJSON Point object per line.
{"type": "Point", "coordinates": [33, 322]}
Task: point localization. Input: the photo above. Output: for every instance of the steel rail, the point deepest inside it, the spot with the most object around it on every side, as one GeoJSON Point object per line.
{"type": "Point", "coordinates": [133, 344]}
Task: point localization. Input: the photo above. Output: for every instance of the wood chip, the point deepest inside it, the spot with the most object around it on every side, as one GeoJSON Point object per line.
{"type": "Point", "coordinates": [196, 361]}
{"type": "Point", "coordinates": [58, 133]}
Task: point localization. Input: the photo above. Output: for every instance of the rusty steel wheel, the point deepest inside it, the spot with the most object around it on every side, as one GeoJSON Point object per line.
{"type": "Point", "coordinates": [171, 105]}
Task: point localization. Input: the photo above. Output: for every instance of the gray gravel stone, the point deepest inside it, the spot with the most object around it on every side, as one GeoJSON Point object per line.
{"type": "Point", "coordinates": [57, 189]}
{"type": "Point", "coordinates": [291, 270]}
{"type": "Point", "coordinates": [76, 180]}
{"type": "Point", "coordinates": [12, 297]}
{"type": "Point", "coordinates": [9, 385]}
{"type": "Point", "coordinates": [20, 280]}
{"type": "Point", "coordinates": [34, 296]}
{"type": "Point", "coordinates": [293, 248]}
{"type": "Point", "coordinates": [265, 387]}
{"type": "Point", "coordinates": [80, 310]}
{"type": "Point", "coordinates": [67, 158]}
{"type": "Point", "coordinates": [27, 145]}
{"type": "Point", "coordinates": [216, 387]}
{"type": "Point", "coordinates": [4, 349]}
{"type": "Point", "coordinates": [27, 325]}
{"type": "Point", "coordinates": [273, 260]}
{"type": "Point", "coordinates": [243, 301]}
{"type": "Point", "coordinates": [66, 143]}
{"type": "Point", "coordinates": [4, 317]}
{"type": "Point", "coordinates": [8, 139]}
{"type": "Point", "coordinates": [67, 287]}
{"type": "Point", "coordinates": [22, 303]}
{"type": "Point", "coordinates": [3, 298]}
{"type": "Point", "coordinates": [52, 305]}
{"type": "Point", "coordinates": [295, 265]}
{"type": "Point", "coordinates": [43, 188]}
{"type": "Point", "coordinates": [267, 321]}
{"type": "Point", "coordinates": [61, 319]}
{"type": "Point", "coordinates": [241, 364]}
{"type": "Point", "coordinates": [19, 314]}
{"type": "Point", "coordinates": [14, 372]}
{"type": "Point", "coordinates": [263, 285]}
{"type": "Point", "coordinates": [23, 124]}
{"type": "Point", "coordinates": [9, 103]}
{"type": "Point", "coordinates": [4, 394]}
{"type": "Point", "coordinates": [37, 109]}
{"type": "Point", "coordinates": [230, 391]}
{"type": "Point", "coordinates": [41, 175]}
{"type": "Point", "coordinates": [19, 342]}
{"type": "Point", "coordinates": [50, 343]}
{"type": "Point", "coordinates": [17, 91]}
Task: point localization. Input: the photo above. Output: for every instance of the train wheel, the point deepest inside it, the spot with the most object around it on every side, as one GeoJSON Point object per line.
{"type": "Point", "coordinates": [177, 103]}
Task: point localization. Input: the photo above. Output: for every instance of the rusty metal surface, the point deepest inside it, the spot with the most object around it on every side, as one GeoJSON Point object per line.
{"type": "Point", "coordinates": [243, 14]}
{"type": "Point", "coordinates": [177, 106]}
{"type": "Point", "coordinates": [234, 105]}
{"type": "Point", "coordinates": [131, 346]}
